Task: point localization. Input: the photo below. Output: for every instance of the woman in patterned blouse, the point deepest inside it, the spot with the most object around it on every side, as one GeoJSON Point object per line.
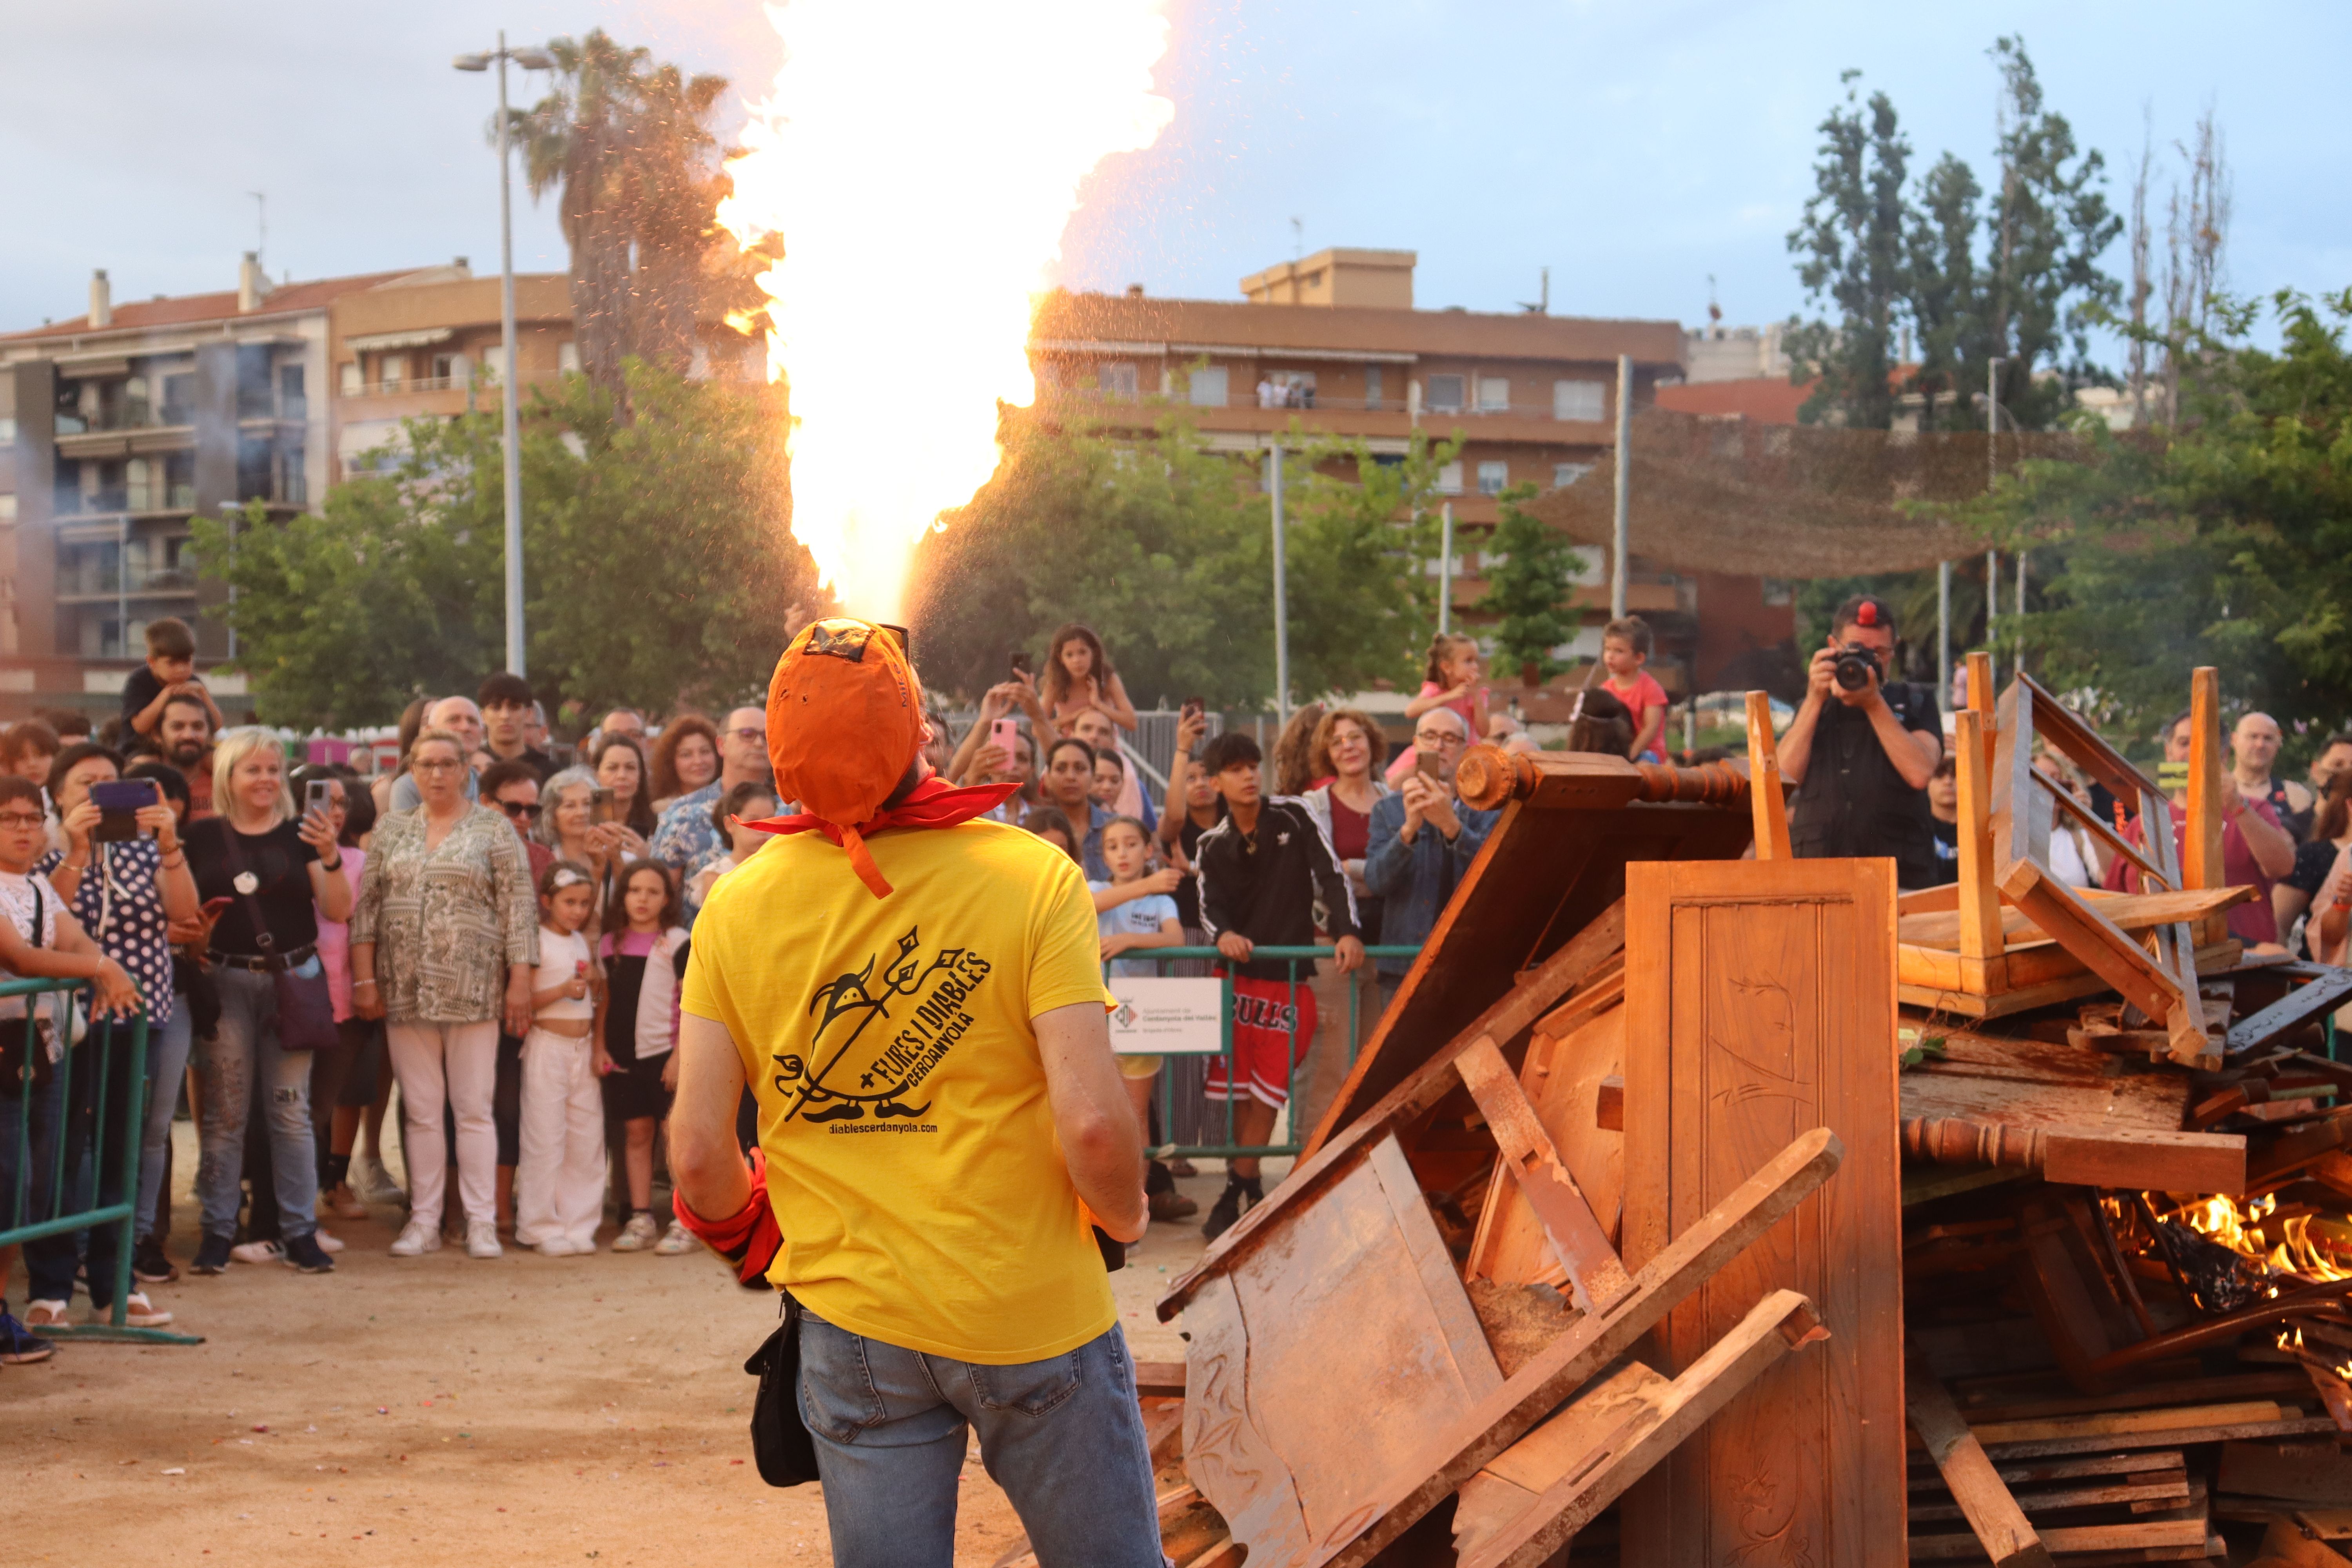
{"type": "Point", "coordinates": [444, 941]}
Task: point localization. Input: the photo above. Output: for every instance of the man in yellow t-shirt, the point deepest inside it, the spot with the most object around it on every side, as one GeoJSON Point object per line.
{"type": "Point", "coordinates": [916, 1001]}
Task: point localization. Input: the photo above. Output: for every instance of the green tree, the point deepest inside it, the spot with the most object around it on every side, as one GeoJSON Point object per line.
{"type": "Point", "coordinates": [1946, 290]}
{"type": "Point", "coordinates": [657, 564]}
{"type": "Point", "coordinates": [2226, 541]}
{"type": "Point", "coordinates": [1165, 550]}
{"type": "Point", "coordinates": [1361, 599]}
{"type": "Point", "coordinates": [1528, 590]}
{"type": "Point", "coordinates": [1852, 253]}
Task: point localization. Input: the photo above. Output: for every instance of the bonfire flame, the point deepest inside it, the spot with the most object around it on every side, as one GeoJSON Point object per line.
{"type": "Point", "coordinates": [919, 162]}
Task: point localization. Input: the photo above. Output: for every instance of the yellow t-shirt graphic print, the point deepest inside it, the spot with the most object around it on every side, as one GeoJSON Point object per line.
{"type": "Point", "coordinates": [911, 1156]}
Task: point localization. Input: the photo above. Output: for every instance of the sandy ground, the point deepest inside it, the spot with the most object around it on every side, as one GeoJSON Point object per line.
{"type": "Point", "coordinates": [527, 1410]}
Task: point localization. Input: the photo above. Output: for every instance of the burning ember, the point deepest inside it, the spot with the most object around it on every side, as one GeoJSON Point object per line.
{"type": "Point", "coordinates": [919, 162]}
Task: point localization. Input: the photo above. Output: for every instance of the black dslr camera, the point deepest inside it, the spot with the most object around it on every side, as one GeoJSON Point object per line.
{"type": "Point", "coordinates": [1856, 668]}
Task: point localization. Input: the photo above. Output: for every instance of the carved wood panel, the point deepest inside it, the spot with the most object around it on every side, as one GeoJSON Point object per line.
{"type": "Point", "coordinates": [1760, 1002]}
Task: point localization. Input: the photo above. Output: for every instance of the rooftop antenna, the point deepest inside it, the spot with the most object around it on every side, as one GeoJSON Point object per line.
{"type": "Point", "coordinates": [1542, 307]}
{"type": "Point", "coordinates": [1297, 238]}
{"type": "Point", "coordinates": [261, 220]}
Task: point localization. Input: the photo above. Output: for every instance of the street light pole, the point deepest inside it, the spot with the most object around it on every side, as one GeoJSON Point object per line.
{"type": "Point", "coordinates": [1281, 603]}
{"type": "Point", "coordinates": [529, 60]}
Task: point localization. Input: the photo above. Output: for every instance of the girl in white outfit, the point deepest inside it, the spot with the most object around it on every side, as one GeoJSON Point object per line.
{"type": "Point", "coordinates": [559, 1182]}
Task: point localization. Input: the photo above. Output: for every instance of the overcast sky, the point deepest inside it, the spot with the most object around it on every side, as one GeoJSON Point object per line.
{"type": "Point", "coordinates": [1634, 148]}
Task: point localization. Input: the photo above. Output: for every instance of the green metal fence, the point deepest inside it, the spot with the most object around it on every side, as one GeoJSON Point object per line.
{"type": "Point", "coordinates": [35, 1117]}
{"type": "Point", "coordinates": [1300, 963]}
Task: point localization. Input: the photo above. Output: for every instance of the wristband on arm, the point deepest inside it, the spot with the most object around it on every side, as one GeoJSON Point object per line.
{"type": "Point", "coordinates": [749, 1239]}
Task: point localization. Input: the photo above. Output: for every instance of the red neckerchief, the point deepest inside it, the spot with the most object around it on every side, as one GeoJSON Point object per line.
{"type": "Point", "coordinates": [930, 803]}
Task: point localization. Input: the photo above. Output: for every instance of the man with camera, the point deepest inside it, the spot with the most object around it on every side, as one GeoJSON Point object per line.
{"type": "Point", "coordinates": [1862, 749]}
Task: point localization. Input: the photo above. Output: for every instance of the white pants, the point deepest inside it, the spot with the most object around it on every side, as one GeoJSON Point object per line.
{"type": "Point", "coordinates": [560, 1184]}
{"type": "Point", "coordinates": [458, 1062]}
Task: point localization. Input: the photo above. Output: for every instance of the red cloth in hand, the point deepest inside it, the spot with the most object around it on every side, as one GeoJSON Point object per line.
{"type": "Point", "coordinates": [748, 1238]}
{"type": "Point", "coordinates": [929, 803]}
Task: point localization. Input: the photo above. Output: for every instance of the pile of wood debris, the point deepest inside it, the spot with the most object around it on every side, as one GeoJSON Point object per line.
{"type": "Point", "coordinates": [1689, 1209]}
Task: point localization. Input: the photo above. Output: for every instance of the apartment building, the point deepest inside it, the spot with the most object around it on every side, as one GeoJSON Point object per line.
{"type": "Point", "coordinates": [1334, 343]}
{"type": "Point", "coordinates": [120, 426]}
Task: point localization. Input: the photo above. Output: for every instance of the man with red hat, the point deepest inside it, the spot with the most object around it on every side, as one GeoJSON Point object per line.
{"type": "Point", "coordinates": [1862, 749]}
{"type": "Point", "coordinates": [915, 998]}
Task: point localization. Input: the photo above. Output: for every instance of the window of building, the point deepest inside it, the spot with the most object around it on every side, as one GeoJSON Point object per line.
{"type": "Point", "coordinates": [180, 398]}
{"type": "Point", "coordinates": [7, 506]}
{"type": "Point", "coordinates": [1445, 394]}
{"type": "Point", "coordinates": [395, 372]}
{"type": "Point", "coordinates": [1372, 386]}
{"type": "Point", "coordinates": [1494, 395]}
{"type": "Point", "coordinates": [1206, 387]}
{"type": "Point", "coordinates": [1566, 474]}
{"type": "Point", "coordinates": [293, 402]}
{"type": "Point", "coordinates": [1449, 479]}
{"type": "Point", "coordinates": [8, 430]}
{"type": "Point", "coordinates": [1579, 400]}
{"type": "Point", "coordinates": [256, 475]}
{"type": "Point", "coordinates": [1779, 590]}
{"type": "Point", "coordinates": [567, 357]}
{"type": "Point", "coordinates": [180, 481]}
{"type": "Point", "coordinates": [293, 484]}
{"type": "Point", "coordinates": [1494, 477]}
{"type": "Point", "coordinates": [255, 398]}
{"type": "Point", "coordinates": [1115, 380]}
{"type": "Point", "coordinates": [347, 378]}
{"type": "Point", "coordinates": [445, 369]}
{"type": "Point", "coordinates": [138, 494]}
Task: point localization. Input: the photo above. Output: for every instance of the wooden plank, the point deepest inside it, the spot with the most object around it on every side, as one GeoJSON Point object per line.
{"type": "Point", "coordinates": [2068, 733]}
{"type": "Point", "coordinates": [1568, 1080]}
{"type": "Point", "coordinates": [2126, 911]}
{"type": "Point", "coordinates": [1512, 1481]}
{"type": "Point", "coordinates": [1595, 1276]}
{"type": "Point", "coordinates": [2229, 1389]}
{"type": "Point", "coordinates": [1759, 997]}
{"type": "Point", "coordinates": [1356, 1337]}
{"type": "Point", "coordinates": [2122, 1422]}
{"type": "Point", "coordinates": [2113, 955]}
{"type": "Point", "coordinates": [2071, 1538]}
{"type": "Point", "coordinates": [2158, 1494]}
{"type": "Point", "coordinates": [1978, 1493]}
{"type": "Point", "coordinates": [1534, 995]}
{"type": "Point", "coordinates": [2200, 864]}
{"type": "Point", "coordinates": [2286, 1543]}
{"type": "Point", "coordinates": [2037, 1083]}
{"type": "Point", "coordinates": [2021, 826]}
{"type": "Point", "coordinates": [1163, 1379]}
{"type": "Point", "coordinates": [1226, 1453]}
{"type": "Point", "coordinates": [1458, 1450]}
{"type": "Point", "coordinates": [1977, 918]}
{"type": "Point", "coordinates": [2100, 1443]}
{"type": "Point", "coordinates": [1767, 795]}
{"type": "Point", "coordinates": [2301, 1473]}
{"type": "Point", "coordinates": [2086, 1156]}
{"type": "Point", "coordinates": [2297, 1007]}
{"type": "Point", "coordinates": [1782, 1321]}
{"type": "Point", "coordinates": [1463, 1338]}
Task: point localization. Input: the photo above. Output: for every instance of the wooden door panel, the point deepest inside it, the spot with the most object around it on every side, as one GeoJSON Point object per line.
{"type": "Point", "coordinates": [1760, 1002]}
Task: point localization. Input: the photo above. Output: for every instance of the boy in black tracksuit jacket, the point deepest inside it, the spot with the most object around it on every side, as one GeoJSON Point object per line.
{"type": "Point", "coordinates": [1260, 872]}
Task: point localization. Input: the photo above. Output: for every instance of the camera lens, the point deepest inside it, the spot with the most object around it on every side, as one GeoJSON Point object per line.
{"type": "Point", "coordinates": [1854, 669]}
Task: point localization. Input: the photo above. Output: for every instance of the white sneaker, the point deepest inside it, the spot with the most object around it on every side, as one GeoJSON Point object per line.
{"type": "Point", "coordinates": [257, 1252]}
{"type": "Point", "coordinates": [482, 1239]}
{"type": "Point", "coordinates": [675, 1240]}
{"type": "Point", "coordinates": [372, 1183]}
{"type": "Point", "coordinates": [416, 1237]}
{"type": "Point", "coordinates": [326, 1243]}
{"type": "Point", "coordinates": [554, 1246]}
{"type": "Point", "coordinates": [139, 1312]}
{"type": "Point", "coordinates": [638, 1235]}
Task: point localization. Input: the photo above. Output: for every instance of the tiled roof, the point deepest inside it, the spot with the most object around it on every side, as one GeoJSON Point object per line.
{"type": "Point", "coordinates": [183, 310]}
{"type": "Point", "coordinates": [1120, 318]}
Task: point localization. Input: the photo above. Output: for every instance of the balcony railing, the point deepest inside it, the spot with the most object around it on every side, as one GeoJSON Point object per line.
{"type": "Point", "coordinates": [104, 582]}
{"type": "Point", "coordinates": [1307, 403]}
{"type": "Point", "coordinates": [414, 384]}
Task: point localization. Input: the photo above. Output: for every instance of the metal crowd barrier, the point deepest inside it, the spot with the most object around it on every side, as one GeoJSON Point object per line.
{"type": "Point", "coordinates": [34, 1118]}
{"type": "Point", "coordinates": [1181, 1105]}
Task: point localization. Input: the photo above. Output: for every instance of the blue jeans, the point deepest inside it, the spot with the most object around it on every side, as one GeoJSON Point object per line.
{"type": "Point", "coordinates": [1064, 1437]}
{"type": "Point", "coordinates": [243, 1048]}
{"type": "Point", "coordinates": [167, 1063]}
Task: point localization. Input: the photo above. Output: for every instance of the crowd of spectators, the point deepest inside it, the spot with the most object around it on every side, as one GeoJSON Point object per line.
{"type": "Point", "coordinates": [499, 926]}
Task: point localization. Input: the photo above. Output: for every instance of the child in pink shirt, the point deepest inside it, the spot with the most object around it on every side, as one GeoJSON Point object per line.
{"type": "Point", "coordinates": [1452, 680]}
{"type": "Point", "coordinates": [1625, 651]}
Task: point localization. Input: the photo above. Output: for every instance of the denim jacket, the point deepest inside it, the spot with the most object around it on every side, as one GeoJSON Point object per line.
{"type": "Point", "coordinates": [1417, 879]}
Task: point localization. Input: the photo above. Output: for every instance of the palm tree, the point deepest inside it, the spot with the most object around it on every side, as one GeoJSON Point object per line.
{"type": "Point", "coordinates": [629, 143]}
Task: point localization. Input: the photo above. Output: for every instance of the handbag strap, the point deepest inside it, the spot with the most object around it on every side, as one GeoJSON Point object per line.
{"type": "Point", "coordinates": [253, 910]}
